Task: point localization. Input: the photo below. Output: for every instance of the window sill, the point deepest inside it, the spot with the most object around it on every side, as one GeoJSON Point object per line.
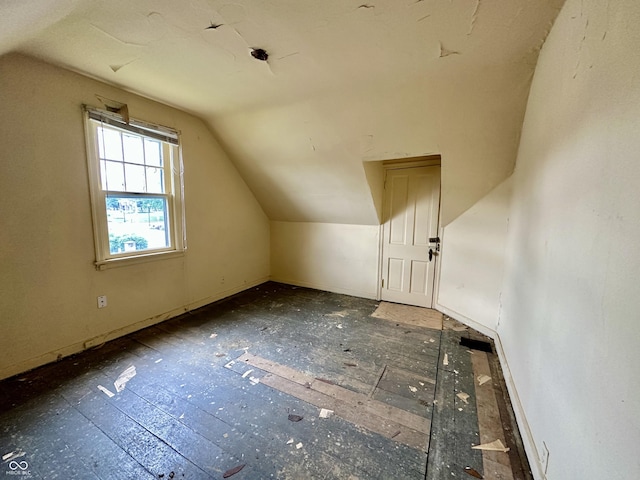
{"type": "Point", "coordinates": [126, 261]}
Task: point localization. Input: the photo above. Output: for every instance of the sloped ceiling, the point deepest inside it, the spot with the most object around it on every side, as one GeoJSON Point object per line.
{"type": "Point", "coordinates": [346, 82]}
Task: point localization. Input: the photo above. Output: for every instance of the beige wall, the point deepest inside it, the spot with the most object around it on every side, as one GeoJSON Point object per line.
{"type": "Point", "coordinates": [570, 322]}
{"type": "Point", "coordinates": [48, 284]}
{"type": "Point", "coordinates": [472, 259]}
{"type": "Point", "coordinates": [333, 257]}
{"type": "Point", "coordinates": [304, 160]}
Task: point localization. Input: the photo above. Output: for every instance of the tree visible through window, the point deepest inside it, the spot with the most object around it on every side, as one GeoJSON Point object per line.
{"type": "Point", "coordinates": [136, 187]}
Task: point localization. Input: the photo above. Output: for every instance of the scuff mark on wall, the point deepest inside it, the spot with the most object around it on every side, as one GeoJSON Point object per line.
{"type": "Point", "coordinates": [213, 26]}
{"type": "Point", "coordinates": [445, 52]}
{"type": "Point", "coordinates": [366, 5]}
{"type": "Point", "coordinates": [423, 18]}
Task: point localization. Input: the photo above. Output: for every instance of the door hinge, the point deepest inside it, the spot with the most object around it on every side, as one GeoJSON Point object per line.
{"type": "Point", "coordinates": [383, 283]}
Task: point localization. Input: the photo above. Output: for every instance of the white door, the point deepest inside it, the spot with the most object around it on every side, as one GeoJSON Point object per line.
{"type": "Point", "coordinates": [411, 207]}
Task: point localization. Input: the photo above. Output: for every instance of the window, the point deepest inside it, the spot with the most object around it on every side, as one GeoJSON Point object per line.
{"type": "Point", "coordinates": [135, 175]}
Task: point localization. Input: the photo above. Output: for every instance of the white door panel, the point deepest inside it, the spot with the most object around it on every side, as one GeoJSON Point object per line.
{"type": "Point", "coordinates": [412, 201]}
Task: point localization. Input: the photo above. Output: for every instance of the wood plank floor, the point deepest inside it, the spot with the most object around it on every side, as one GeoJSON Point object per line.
{"type": "Point", "coordinates": [276, 382]}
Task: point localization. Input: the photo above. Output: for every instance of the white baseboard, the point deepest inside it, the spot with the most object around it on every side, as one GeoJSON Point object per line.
{"type": "Point", "coordinates": [523, 425]}
{"type": "Point", "coordinates": [54, 355]}
{"type": "Point", "coordinates": [327, 288]}
{"type": "Point", "coordinates": [466, 320]}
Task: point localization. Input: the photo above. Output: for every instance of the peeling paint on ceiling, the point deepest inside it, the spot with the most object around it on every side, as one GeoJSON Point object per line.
{"type": "Point", "coordinates": [338, 72]}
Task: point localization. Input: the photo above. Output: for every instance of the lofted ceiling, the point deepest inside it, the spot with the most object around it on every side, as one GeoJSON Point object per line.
{"type": "Point", "coordinates": [347, 83]}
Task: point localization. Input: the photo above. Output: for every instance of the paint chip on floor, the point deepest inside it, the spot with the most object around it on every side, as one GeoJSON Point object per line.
{"type": "Point", "coordinates": [247, 373]}
{"type": "Point", "coordinates": [413, 389]}
{"type": "Point", "coordinates": [124, 377]}
{"type": "Point", "coordinates": [495, 446]}
{"type": "Point", "coordinates": [13, 455]}
{"type": "Point", "coordinates": [324, 413]}
{"type": "Point", "coordinates": [290, 441]}
{"type": "Point", "coordinates": [482, 379]}
{"type": "Point", "coordinates": [106, 391]}
{"type": "Point", "coordinates": [299, 446]}
{"type": "Point", "coordinates": [463, 396]}
{"type": "Point", "coordinates": [445, 361]}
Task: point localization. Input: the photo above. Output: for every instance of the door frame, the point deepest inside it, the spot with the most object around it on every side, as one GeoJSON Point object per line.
{"type": "Point", "coordinates": [401, 164]}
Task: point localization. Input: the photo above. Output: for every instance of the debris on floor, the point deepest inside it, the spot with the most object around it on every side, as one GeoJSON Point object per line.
{"type": "Point", "coordinates": [106, 391]}
{"type": "Point", "coordinates": [290, 441]}
{"type": "Point", "coordinates": [413, 389]}
{"type": "Point", "coordinates": [213, 335]}
{"type": "Point", "coordinates": [324, 380]}
{"type": "Point", "coordinates": [482, 379]}
{"type": "Point", "coordinates": [463, 396]}
{"type": "Point", "coordinates": [473, 472]}
{"type": "Point", "coordinates": [247, 373]}
{"type": "Point", "coordinates": [295, 418]}
{"type": "Point", "coordinates": [219, 355]}
{"type": "Point", "coordinates": [233, 471]}
{"type": "Point", "coordinates": [324, 413]}
{"type": "Point", "coordinates": [445, 361]}
{"type": "Point", "coordinates": [348, 364]}
{"type": "Point", "coordinates": [299, 445]}
{"type": "Point", "coordinates": [396, 434]}
{"type": "Point", "coordinates": [124, 377]}
{"type": "Point", "coordinates": [495, 446]}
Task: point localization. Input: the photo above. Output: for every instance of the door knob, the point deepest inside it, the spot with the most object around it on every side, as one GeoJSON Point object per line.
{"type": "Point", "coordinates": [430, 254]}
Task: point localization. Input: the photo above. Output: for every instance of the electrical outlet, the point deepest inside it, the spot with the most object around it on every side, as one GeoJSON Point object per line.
{"type": "Point", "coordinates": [102, 301]}
{"type": "Point", "coordinates": [544, 458]}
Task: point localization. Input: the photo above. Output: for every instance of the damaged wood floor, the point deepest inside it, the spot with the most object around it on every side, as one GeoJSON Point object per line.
{"type": "Point", "coordinates": [276, 382]}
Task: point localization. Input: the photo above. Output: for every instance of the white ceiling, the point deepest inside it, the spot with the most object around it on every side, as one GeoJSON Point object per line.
{"type": "Point", "coordinates": [347, 81]}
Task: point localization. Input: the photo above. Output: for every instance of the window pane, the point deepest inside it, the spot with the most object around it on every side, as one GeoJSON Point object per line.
{"type": "Point", "coordinates": [115, 176]}
{"type": "Point", "coordinates": [109, 144]}
{"type": "Point", "coordinates": [137, 224]}
{"type": "Point", "coordinates": [103, 174]}
{"type": "Point", "coordinates": [135, 178]}
{"type": "Point", "coordinates": [133, 152]}
{"type": "Point", "coordinates": [152, 152]}
{"type": "Point", "coordinates": [155, 182]}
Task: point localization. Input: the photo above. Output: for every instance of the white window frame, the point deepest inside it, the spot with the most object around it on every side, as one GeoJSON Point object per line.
{"type": "Point", "coordinates": [173, 183]}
